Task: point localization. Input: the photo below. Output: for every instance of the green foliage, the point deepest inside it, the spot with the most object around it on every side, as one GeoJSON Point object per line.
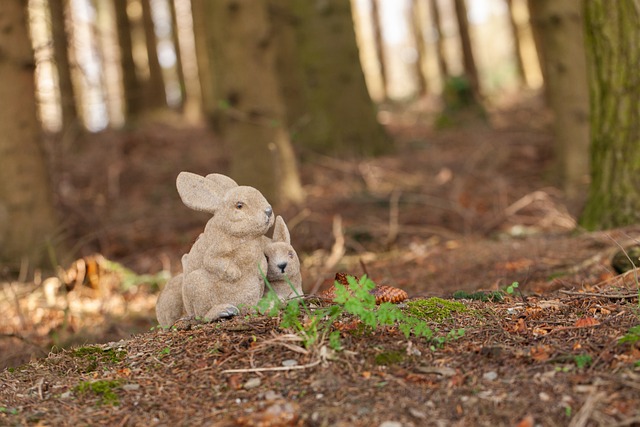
{"type": "Point", "coordinates": [130, 279]}
{"type": "Point", "coordinates": [103, 389]}
{"type": "Point", "coordinates": [5, 410]}
{"type": "Point", "coordinates": [511, 288]}
{"type": "Point", "coordinates": [452, 335]}
{"type": "Point", "coordinates": [582, 360]}
{"type": "Point", "coordinates": [632, 336]}
{"type": "Point", "coordinates": [355, 299]}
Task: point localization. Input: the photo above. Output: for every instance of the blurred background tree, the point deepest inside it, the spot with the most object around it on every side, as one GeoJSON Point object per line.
{"type": "Point", "coordinates": [27, 217]}
{"type": "Point", "coordinates": [289, 81]}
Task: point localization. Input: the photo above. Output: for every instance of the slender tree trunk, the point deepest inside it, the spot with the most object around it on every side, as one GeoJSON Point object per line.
{"type": "Point", "coordinates": [443, 66]}
{"type": "Point", "coordinates": [178, 51]}
{"type": "Point", "coordinates": [469, 63]}
{"type": "Point", "coordinates": [517, 53]}
{"type": "Point", "coordinates": [206, 77]}
{"type": "Point", "coordinates": [61, 56]}
{"type": "Point", "coordinates": [130, 81]}
{"type": "Point", "coordinates": [328, 105]}
{"type": "Point", "coordinates": [416, 26]}
{"type": "Point", "coordinates": [155, 90]}
{"type": "Point", "coordinates": [560, 26]}
{"type": "Point", "coordinates": [27, 217]}
{"type": "Point", "coordinates": [612, 34]}
{"type": "Point", "coordinates": [379, 43]}
{"type": "Point", "coordinates": [251, 114]}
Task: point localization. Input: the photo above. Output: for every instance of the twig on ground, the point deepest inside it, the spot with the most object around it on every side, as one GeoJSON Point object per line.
{"type": "Point", "coordinates": [273, 368]}
{"type": "Point", "coordinates": [596, 294]}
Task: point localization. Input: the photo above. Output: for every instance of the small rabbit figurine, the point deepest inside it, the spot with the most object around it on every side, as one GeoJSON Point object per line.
{"type": "Point", "coordinates": [221, 271]}
{"type": "Point", "coordinates": [283, 269]}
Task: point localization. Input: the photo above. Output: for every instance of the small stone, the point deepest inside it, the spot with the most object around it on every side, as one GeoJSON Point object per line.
{"type": "Point", "coordinates": [490, 376]}
{"type": "Point", "coordinates": [131, 387]}
{"type": "Point", "coordinates": [416, 413]}
{"type": "Point", "coordinates": [66, 395]}
{"type": "Point", "coordinates": [272, 395]}
{"type": "Point", "coordinates": [252, 383]}
{"type": "Point", "coordinates": [390, 424]}
{"type": "Point", "coordinates": [289, 362]}
{"type": "Point", "coordinates": [544, 396]}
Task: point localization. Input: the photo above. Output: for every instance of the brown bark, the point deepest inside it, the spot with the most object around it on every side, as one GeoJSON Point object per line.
{"type": "Point", "coordinates": [205, 75]}
{"type": "Point", "coordinates": [60, 41]}
{"type": "Point", "coordinates": [416, 26]}
{"type": "Point", "coordinates": [612, 35]}
{"type": "Point", "coordinates": [251, 113]}
{"type": "Point", "coordinates": [560, 26]}
{"type": "Point", "coordinates": [155, 90]}
{"type": "Point", "coordinates": [469, 63]}
{"type": "Point", "coordinates": [27, 217]}
{"type": "Point", "coordinates": [443, 66]}
{"type": "Point", "coordinates": [379, 43]}
{"type": "Point", "coordinates": [327, 102]}
{"type": "Point", "coordinates": [517, 53]}
{"type": "Point", "coordinates": [130, 81]}
{"type": "Point", "coordinates": [178, 51]}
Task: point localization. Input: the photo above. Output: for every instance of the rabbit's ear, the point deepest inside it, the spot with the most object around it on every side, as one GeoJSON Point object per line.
{"type": "Point", "coordinates": [281, 232]}
{"type": "Point", "coordinates": [222, 181]}
{"type": "Point", "coordinates": [199, 193]}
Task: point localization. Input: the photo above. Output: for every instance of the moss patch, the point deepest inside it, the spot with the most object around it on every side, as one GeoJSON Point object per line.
{"type": "Point", "coordinates": [388, 358]}
{"type": "Point", "coordinates": [103, 389]}
{"type": "Point", "coordinates": [95, 356]}
{"type": "Point", "coordinates": [436, 309]}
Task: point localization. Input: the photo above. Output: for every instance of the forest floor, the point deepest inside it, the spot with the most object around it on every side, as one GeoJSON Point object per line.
{"type": "Point", "coordinates": [464, 208]}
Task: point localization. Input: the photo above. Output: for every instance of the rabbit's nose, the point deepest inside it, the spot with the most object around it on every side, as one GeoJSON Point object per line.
{"type": "Point", "coordinates": [282, 266]}
{"type": "Point", "coordinates": [268, 211]}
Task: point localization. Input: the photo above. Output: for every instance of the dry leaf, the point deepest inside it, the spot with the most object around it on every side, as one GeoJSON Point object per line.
{"type": "Point", "coordinates": [540, 353]}
{"type": "Point", "coordinates": [586, 322]}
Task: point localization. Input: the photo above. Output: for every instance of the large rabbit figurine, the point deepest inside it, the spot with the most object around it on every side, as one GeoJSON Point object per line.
{"type": "Point", "coordinates": [283, 265]}
{"type": "Point", "coordinates": [221, 271]}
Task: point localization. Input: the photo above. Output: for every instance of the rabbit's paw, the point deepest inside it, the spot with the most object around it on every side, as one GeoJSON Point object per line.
{"type": "Point", "coordinates": [222, 312]}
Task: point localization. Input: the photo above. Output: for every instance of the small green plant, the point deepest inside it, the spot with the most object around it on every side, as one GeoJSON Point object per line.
{"type": "Point", "coordinates": [354, 299]}
{"type": "Point", "coordinates": [103, 389]}
{"type": "Point", "coordinates": [632, 336]}
{"type": "Point", "coordinates": [164, 352]}
{"type": "Point", "coordinates": [511, 288]}
{"type": "Point", "coordinates": [5, 410]}
{"type": "Point", "coordinates": [582, 360]}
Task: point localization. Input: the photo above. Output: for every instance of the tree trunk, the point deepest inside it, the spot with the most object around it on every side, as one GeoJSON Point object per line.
{"type": "Point", "coordinates": [517, 53]}
{"type": "Point", "coordinates": [130, 81]}
{"type": "Point", "coordinates": [176, 45]}
{"type": "Point", "coordinates": [443, 66]}
{"type": "Point", "coordinates": [612, 35]}
{"type": "Point", "coordinates": [379, 44]}
{"type": "Point", "coordinates": [416, 26]}
{"type": "Point", "coordinates": [206, 77]}
{"type": "Point", "coordinates": [27, 217]}
{"type": "Point", "coordinates": [155, 90]}
{"type": "Point", "coordinates": [560, 26]}
{"type": "Point", "coordinates": [469, 63]}
{"type": "Point", "coordinates": [250, 114]}
{"type": "Point", "coordinates": [60, 41]}
{"type": "Point", "coordinates": [327, 102]}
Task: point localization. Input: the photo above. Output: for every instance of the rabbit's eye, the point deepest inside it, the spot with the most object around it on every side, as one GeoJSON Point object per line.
{"type": "Point", "coordinates": [239, 205]}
